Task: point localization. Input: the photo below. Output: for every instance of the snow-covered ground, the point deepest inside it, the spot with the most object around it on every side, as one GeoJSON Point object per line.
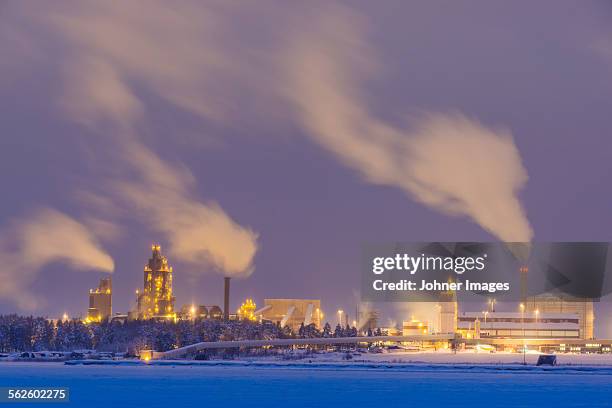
{"type": "Point", "coordinates": [395, 357]}
{"type": "Point", "coordinates": [348, 385]}
{"type": "Point", "coordinates": [470, 357]}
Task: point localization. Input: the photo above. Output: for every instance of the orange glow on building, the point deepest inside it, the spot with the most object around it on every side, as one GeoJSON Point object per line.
{"type": "Point", "coordinates": [247, 310]}
{"type": "Point", "coordinates": [100, 301]}
{"type": "Point", "coordinates": [156, 299]}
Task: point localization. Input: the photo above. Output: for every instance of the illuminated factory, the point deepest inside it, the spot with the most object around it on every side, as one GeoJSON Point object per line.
{"type": "Point", "coordinates": [542, 322]}
{"type": "Point", "coordinates": [100, 301]}
{"type": "Point", "coordinates": [519, 325]}
{"type": "Point", "coordinates": [156, 300]}
{"type": "Point", "coordinates": [292, 312]}
{"type": "Point", "coordinates": [247, 310]}
{"type": "Point", "coordinates": [414, 327]}
{"type": "Point", "coordinates": [188, 312]}
{"type": "Point", "coordinates": [580, 308]}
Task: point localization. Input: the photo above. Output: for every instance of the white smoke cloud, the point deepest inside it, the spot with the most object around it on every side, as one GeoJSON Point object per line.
{"type": "Point", "coordinates": [105, 230]}
{"type": "Point", "coordinates": [446, 161]}
{"type": "Point", "coordinates": [48, 236]}
{"type": "Point", "coordinates": [111, 46]}
{"type": "Point", "coordinates": [173, 50]}
{"type": "Point", "coordinates": [96, 92]}
{"type": "Point", "coordinates": [193, 56]}
{"type": "Point", "coordinates": [198, 233]}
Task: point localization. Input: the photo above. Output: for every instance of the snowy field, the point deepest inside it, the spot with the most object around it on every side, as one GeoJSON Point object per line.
{"type": "Point", "coordinates": [471, 357]}
{"type": "Point", "coordinates": [347, 385]}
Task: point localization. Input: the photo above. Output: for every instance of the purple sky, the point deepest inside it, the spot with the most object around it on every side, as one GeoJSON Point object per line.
{"type": "Point", "coordinates": [540, 70]}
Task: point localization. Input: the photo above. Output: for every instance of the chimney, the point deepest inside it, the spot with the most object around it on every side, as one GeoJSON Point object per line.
{"type": "Point", "coordinates": [226, 299]}
{"type": "Point", "coordinates": [523, 270]}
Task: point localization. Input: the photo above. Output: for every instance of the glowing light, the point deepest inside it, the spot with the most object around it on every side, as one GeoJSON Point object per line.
{"type": "Point", "coordinates": [156, 297]}
{"type": "Point", "coordinates": [247, 310]}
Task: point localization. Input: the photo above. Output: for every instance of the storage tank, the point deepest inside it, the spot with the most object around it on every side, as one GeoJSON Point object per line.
{"type": "Point", "coordinates": [215, 312]}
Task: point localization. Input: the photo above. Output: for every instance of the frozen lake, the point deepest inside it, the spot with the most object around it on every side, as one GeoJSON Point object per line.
{"type": "Point", "coordinates": [236, 386]}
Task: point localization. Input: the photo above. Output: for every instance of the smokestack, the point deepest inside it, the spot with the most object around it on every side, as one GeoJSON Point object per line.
{"type": "Point", "coordinates": [523, 270]}
{"type": "Point", "coordinates": [226, 299]}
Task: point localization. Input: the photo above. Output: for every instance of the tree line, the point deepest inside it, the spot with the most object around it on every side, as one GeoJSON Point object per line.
{"type": "Point", "coordinates": [28, 333]}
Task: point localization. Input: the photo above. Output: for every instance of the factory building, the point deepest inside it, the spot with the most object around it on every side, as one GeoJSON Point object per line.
{"type": "Point", "coordinates": [518, 325]}
{"type": "Point", "coordinates": [215, 312]}
{"type": "Point", "coordinates": [156, 300]}
{"type": "Point", "coordinates": [292, 312]}
{"type": "Point", "coordinates": [202, 312]}
{"type": "Point", "coordinates": [209, 312]}
{"type": "Point", "coordinates": [447, 317]}
{"type": "Point", "coordinates": [549, 303]}
{"type": "Point", "coordinates": [414, 327]}
{"type": "Point", "coordinates": [189, 312]}
{"type": "Point", "coordinates": [100, 301]}
{"type": "Point", "coordinates": [390, 331]}
{"type": "Point", "coordinates": [367, 320]}
{"type": "Point", "coordinates": [246, 311]}
{"type": "Point", "coordinates": [447, 309]}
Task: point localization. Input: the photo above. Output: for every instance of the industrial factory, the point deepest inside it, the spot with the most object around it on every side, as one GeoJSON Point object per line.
{"type": "Point", "coordinates": [292, 312]}
{"type": "Point", "coordinates": [100, 301]}
{"type": "Point", "coordinates": [157, 301]}
{"type": "Point", "coordinates": [545, 319]}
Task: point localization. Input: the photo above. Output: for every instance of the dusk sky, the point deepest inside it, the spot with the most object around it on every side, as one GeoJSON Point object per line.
{"type": "Point", "coordinates": [270, 142]}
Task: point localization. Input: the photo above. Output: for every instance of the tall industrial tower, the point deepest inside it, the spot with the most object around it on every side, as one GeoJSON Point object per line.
{"type": "Point", "coordinates": [448, 312]}
{"type": "Point", "coordinates": [156, 300]}
{"type": "Point", "coordinates": [100, 301]}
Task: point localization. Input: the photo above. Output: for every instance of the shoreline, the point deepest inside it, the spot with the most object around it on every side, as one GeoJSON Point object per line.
{"type": "Point", "coordinates": [337, 359]}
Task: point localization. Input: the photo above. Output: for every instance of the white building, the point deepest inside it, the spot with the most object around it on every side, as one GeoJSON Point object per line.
{"type": "Point", "coordinates": [447, 317]}
{"type": "Point", "coordinates": [292, 312]}
{"type": "Point", "coordinates": [583, 308]}
{"type": "Point", "coordinates": [519, 325]}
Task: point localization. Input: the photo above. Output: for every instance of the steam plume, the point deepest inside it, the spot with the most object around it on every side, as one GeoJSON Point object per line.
{"type": "Point", "coordinates": [48, 236]}
{"type": "Point", "coordinates": [447, 161]}
{"type": "Point", "coordinates": [450, 162]}
{"type": "Point", "coordinates": [197, 232]}
{"type": "Point", "coordinates": [112, 45]}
